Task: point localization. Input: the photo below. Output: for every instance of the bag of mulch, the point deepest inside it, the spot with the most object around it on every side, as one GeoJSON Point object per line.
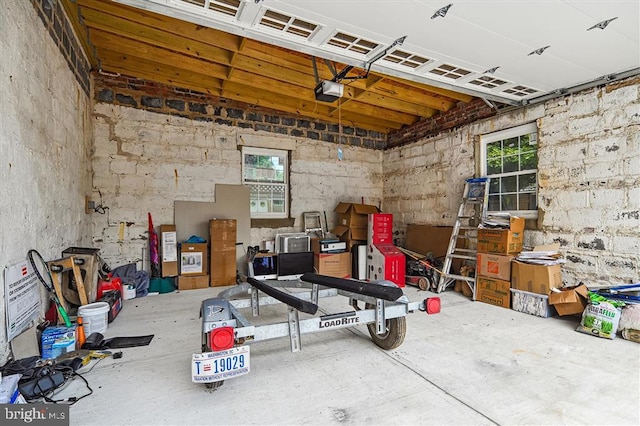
{"type": "Point", "coordinates": [601, 317]}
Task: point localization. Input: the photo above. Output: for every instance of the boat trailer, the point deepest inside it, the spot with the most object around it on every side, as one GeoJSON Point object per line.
{"type": "Point", "coordinates": [226, 333]}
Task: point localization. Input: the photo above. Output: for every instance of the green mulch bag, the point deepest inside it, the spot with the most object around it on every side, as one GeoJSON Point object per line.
{"type": "Point", "coordinates": [601, 317]}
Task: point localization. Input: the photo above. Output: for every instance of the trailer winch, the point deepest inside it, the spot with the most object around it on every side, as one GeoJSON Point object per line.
{"type": "Point", "coordinates": [227, 333]}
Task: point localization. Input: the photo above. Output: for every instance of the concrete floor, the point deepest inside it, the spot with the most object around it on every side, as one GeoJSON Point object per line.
{"type": "Point", "coordinates": [471, 364]}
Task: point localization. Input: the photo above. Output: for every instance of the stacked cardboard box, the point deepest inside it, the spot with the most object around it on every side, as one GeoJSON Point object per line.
{"type": "Point", "coordinates": [222, 235]}
{"type": "Point", "coordinates": [330, 264]}
{"type": "Point", "coordinates": [537, 283]}
{"type": "Point", "coordinates": [193, 266]}
{"type": "Point", "coordinates": [496, 248]}
{"type": "Point", "coordinates": [352, 221]}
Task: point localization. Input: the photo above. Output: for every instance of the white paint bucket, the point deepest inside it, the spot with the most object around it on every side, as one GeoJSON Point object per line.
{"type": "Point", "coordinates": [94, 317]}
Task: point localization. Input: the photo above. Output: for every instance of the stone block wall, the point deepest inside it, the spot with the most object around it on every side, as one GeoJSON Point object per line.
{"type": "Point", "coordinates": [143, 161]}
{"type": "Point", "coordinates": [142, 94]}
{"type": "Point", "coordinates": [52, 15]}
{"type": "Point", "coordinates": [45, 134]}
{"type": "Point", "coordinates": [589, 174]}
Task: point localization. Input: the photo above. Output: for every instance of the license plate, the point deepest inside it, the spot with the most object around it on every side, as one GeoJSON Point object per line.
{"type": "Point", "coordinates": [216, 366]}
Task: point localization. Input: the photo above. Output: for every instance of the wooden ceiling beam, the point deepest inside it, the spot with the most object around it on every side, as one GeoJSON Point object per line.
{"type": "Point", "coordinates": [132, 31]}
{"type": "Point", "coordinates": [431, 89]}
{"type": "Point", "coordinates": [96, 20]}
{"type": "Point", "coordinates": [406, 107]}
{"type": "Point", "coordinates": [278, 72]}
{"type": "Point", "coordinates": [307, 109]}
{"type": "Point", "coordinates": [131, 51]}
{"type": "Point", "coordinates": [143, 69]}
{"type": "Point", "coordinates": [137, 49]}
{"type": "Point", "coordinates": [73, 13]}
{"type": "Point", "coordinates": [418, 97]}
{"type": "Point", "coordinates": [168, 24]}
{"type": "Point", "coordinates": [281, 72]}
{"type": "Point", "coordinates": [376, 111]}
{"type": "Point", "coordinates": [154, 71]}
{"type": "Point", "coordinates": [165, 49]}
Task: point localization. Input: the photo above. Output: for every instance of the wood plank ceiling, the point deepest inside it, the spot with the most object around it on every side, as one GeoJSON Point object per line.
{"type": "Point", "coordinates": [138, 43]}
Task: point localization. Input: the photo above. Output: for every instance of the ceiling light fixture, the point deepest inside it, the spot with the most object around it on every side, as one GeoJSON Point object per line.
{"type": "Point", "coordinates": [491, 70]}
{"type": "Point", "coordinates": [442, 12]}
{"type": "Point", "coordinates": [539, 51]}
{"type": "Point", "coordinates": [602, 25]}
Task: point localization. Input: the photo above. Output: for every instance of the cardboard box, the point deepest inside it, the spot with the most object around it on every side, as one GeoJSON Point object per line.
{"type": "Point", "coordinates": [345, 233]}
{"type": "Point", "coordinates": [352, 236]}
{"type": "Point", "coordinates": [223, 230]}
{"type": "Point", "coordinates": [223, 266]}
{"type": "Point", "coordinates": [168, 251]}
{"type": "Point", "coordinates": [571, 300]}
{"type": "Point", "coordinates": [516, 224]}
{"type": "Point", "coordinates": [192, 283]}
{"type": "Point", "coordinates": [333, 264]}
{"type": "Point", "coordinates": [535, 278]}
{"type": "Point", "coordinates": [499, 241]}
{"type": "Point", "coordinates": [531, 303]}
{"type": "Point", "coordinates": [494, 266]}
{"type": "Point", "coordinates": [493, 291]}
{"type": "Point", "coordinates": [58, 340]}
{"type": "Point", "coordinates": [194, 259]}
{"type": "Point", "coordinates": [354, 215]}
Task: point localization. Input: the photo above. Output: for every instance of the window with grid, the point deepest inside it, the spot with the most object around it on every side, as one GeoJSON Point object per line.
{"type": "Point", "coordinates": [266, 172]}
{"type": "Point", "coordinates": [510, 159]}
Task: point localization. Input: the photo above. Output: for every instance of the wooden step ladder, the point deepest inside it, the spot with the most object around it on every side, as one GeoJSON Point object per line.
{"type": "Point", "coordinates": [472, 209]}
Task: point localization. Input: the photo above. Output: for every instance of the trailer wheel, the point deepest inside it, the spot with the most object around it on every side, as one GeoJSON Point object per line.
{"type": "Point", "coordinates": [211, 385]}
{"type": "Point", "coordinates": [214, 385]}
{"type": "Point", "coordinates": [396, 330]}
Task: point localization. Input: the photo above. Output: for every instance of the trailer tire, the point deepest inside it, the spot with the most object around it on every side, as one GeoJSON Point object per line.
{"type": "Point", "coordinates": [214, 385]}
{"type": "Point", "coordinates": [211, 385]}
{"type": "Point", "coordinates": [396, 330]}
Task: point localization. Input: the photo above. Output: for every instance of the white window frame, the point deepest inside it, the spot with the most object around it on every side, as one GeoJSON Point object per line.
{"type": "Point", "coordinates": [530, 128]}
{"type": "Point", "coordinates": [248, 150]}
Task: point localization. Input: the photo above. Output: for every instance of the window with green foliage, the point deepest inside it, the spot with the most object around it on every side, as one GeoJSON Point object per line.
{"type": "Point", "coordinates": [510, 159]}
{"type": "Point", "coordinates": [266, 172]}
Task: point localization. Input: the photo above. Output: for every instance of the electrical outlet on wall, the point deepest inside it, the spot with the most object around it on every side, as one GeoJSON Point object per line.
{"type": "Point", "coordinates": [89, 205]}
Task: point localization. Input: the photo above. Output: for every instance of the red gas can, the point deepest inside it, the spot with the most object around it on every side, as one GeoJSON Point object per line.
{"type": "Point", "coordinates": [108, 285]}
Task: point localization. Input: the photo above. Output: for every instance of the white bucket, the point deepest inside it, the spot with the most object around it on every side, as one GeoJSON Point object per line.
{"type": "Point", "coordinates": [94, 317]}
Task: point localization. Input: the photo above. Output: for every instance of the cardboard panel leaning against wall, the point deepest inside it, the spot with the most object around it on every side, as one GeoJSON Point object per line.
{"type": "Point", "coordinates": [231, 202]}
